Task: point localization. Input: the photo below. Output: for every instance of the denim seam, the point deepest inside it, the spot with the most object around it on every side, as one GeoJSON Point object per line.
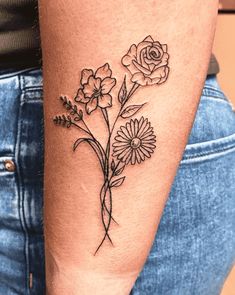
{"type": "Point", "coordinates": [15, 73]}
{"type": "Point", "coordinates": [32, 88]}
{"type": "Point", "coordinates": [213, 151]}
{"type": "Point", "coordinates": [7, 156]}
{"type": "Point", "coordinates": [207, 148]}
{"type": "Point", "coordinates": [33, 101]}
{"type": "Point", "coordinates": [21, 187]}
{"type": "Point", "coordinates": [212, 94]}
{"type": "Point", "coordinates": [208, 157]}
{"type": "Point", "coordinates": [222, 141]}
{"type": "Point", "coordinates": [215, 98]}
{"type": "Point", "coordinates": [200, 157]}
{"type": "Point", "coordinates": [211, 89]}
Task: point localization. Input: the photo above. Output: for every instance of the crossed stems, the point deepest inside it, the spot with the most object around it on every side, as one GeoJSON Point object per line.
{"type": "Point", "coordinates": [106, 186]}
{"type": "Point", "coordinates": [104, 159]}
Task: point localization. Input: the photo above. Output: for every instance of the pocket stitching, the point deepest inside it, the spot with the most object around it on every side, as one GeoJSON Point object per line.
{"type": "Point", "coordinates": [214, 89]}
{"type": "Point", "coordinates": [208, 148]}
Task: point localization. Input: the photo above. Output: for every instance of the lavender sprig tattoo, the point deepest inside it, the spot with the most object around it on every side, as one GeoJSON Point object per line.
{"type": "Point", "coordinates": [135, 140]}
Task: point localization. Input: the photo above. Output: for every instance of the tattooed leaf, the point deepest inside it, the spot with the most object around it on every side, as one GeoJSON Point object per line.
{"type": "Point", "coordinates": [122, 95]}
{"type": "Point", "coordinates": [112, 165]}
{"type": "Point", "coordinates": [63, 120]}
{"type": "Point", "coordinates": [69, 122]}
{"type": "Point", "coordinates": [74, 110]}
{"type": "Point", "coordinates": [119, 171]}
{"type": "Point", "coordinates": [117, 182]}
{"type": "Point", "coordinates": [130, 111]}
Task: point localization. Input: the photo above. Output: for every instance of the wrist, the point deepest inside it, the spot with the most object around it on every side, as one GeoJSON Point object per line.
{"type": "Point", "coordinates": [62, 279]}
{"type": "Point", "coordinates": [77, 282]}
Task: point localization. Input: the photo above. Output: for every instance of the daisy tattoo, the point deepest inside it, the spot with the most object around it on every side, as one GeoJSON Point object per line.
{"type": "Point", "coordinates": [135, 141]}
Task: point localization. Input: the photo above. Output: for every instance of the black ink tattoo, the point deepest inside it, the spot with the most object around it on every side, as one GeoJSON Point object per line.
{"type": "Point", "coordinates": [135, 141]}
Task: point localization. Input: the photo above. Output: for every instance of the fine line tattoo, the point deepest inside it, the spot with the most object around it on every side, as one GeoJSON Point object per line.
{"type": "Point", "coordinates": [135, 140]}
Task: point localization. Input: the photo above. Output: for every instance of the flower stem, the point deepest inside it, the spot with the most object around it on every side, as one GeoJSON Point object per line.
{"type": "Point", "coordinates": [87, 128]}
{"type": "Point", "coordinates": [106, 117]}
{"type": "Point", "coordinates": [79, 127]}
{"type": "Point", "coordinates": [132, 91]}
{"type": "Point", "coordinates": [108, 179]}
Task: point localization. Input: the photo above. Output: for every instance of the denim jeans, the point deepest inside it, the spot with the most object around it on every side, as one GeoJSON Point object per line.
{"type": "Point", "coordinates": [194, 248]}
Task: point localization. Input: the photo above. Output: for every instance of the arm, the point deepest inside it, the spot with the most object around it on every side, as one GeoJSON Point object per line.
{"type": "Point", "coordinates": [98, 233]}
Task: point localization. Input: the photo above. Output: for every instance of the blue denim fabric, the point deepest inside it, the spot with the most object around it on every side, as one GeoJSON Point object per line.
{"type": "Point", "coordinates": [195, 245]}
{"type": "Point", "coordinates": [21, 190]}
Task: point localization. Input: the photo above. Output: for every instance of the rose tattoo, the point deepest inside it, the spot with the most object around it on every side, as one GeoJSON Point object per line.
{"type": "Point", "coordinates": [135, 140]}
{"type": "Point", "coordinates": [147, 62]}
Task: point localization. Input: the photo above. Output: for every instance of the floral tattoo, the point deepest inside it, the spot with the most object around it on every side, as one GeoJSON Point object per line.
{"type": "Point", "coordinates": [135, 140]}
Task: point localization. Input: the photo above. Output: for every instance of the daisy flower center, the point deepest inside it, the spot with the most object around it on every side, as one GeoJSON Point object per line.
{"type": "Point", "coordinates": [135, 143]}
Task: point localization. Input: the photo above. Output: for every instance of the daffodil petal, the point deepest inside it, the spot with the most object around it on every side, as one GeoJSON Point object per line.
{"type": "Point", "coordinates": [91, 105]}
{"type": "Point", "coordinates": [105, 101]}
{"type": "Point", "coordinates": [107, 84]}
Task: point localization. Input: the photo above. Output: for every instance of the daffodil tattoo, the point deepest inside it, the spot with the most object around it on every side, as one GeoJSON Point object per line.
{"type": "Point", "coordinates": [135, 141]}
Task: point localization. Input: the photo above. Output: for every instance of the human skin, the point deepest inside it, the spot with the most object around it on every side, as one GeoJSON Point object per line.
{"type": "Point", "coordinates": [87, 34]}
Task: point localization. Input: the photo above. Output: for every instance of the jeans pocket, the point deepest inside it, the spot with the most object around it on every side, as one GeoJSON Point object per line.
{"type": "Point", "coordinates": [215, 118]}
{"type": "Point", "coordinates": [31, 151]}
{"type": "Point", "coordinates": [208, 150]}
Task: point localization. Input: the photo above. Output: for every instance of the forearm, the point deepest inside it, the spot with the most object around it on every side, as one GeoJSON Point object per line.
{"type": "Point", "coordinates": [80, 35]}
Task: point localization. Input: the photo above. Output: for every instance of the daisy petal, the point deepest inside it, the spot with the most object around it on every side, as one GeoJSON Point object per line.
{"type": "Point", "coordinates": [121, 136]}
{"type": "Point", "coordinates": [133, 128]}
{"type": "Point", "coordinates": [142, 127]}
{"type": "Point", "coordinates": [136, 127]}
{"type": "Point", "coordinates": [147, 133]}
{"type": "Point", "coordinates": [140, 154]}
{"type": "Point", "coordinates": [125, 132]}
{"type": "Point", "coordinates": [121, 139]}
{"type": "Point", "coordinates": [137, 156]}
{"type": "Point", "coordinates": [128, 158]}
{"type": "Point", "coordinates": [145, 128]}
{"type": "Point", "coordinates": [117, 153]}
{"type": "Point", "coordinates": [133, 157]}
{"type": "Point", "coordinates": [148, 145]}
{"type": "Point", "coordinates": [143, 150]}
{"type": "Point", "coordinates": [147, 149]}
{"type": "Point", "coordinates": [120, 147]}
{"type": "Point", "coordinates": [148, 142]}
{"type": "Point", "coordinates": [124, 154]}
{"type": "Point", "coordinates": [141, 122]}
{"type": "Point", "coordinates": [129, 129]}
{"type": "Point", "coordinates": [127, 155]}
{"type": "Point", "coordinates": [151, 137]}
